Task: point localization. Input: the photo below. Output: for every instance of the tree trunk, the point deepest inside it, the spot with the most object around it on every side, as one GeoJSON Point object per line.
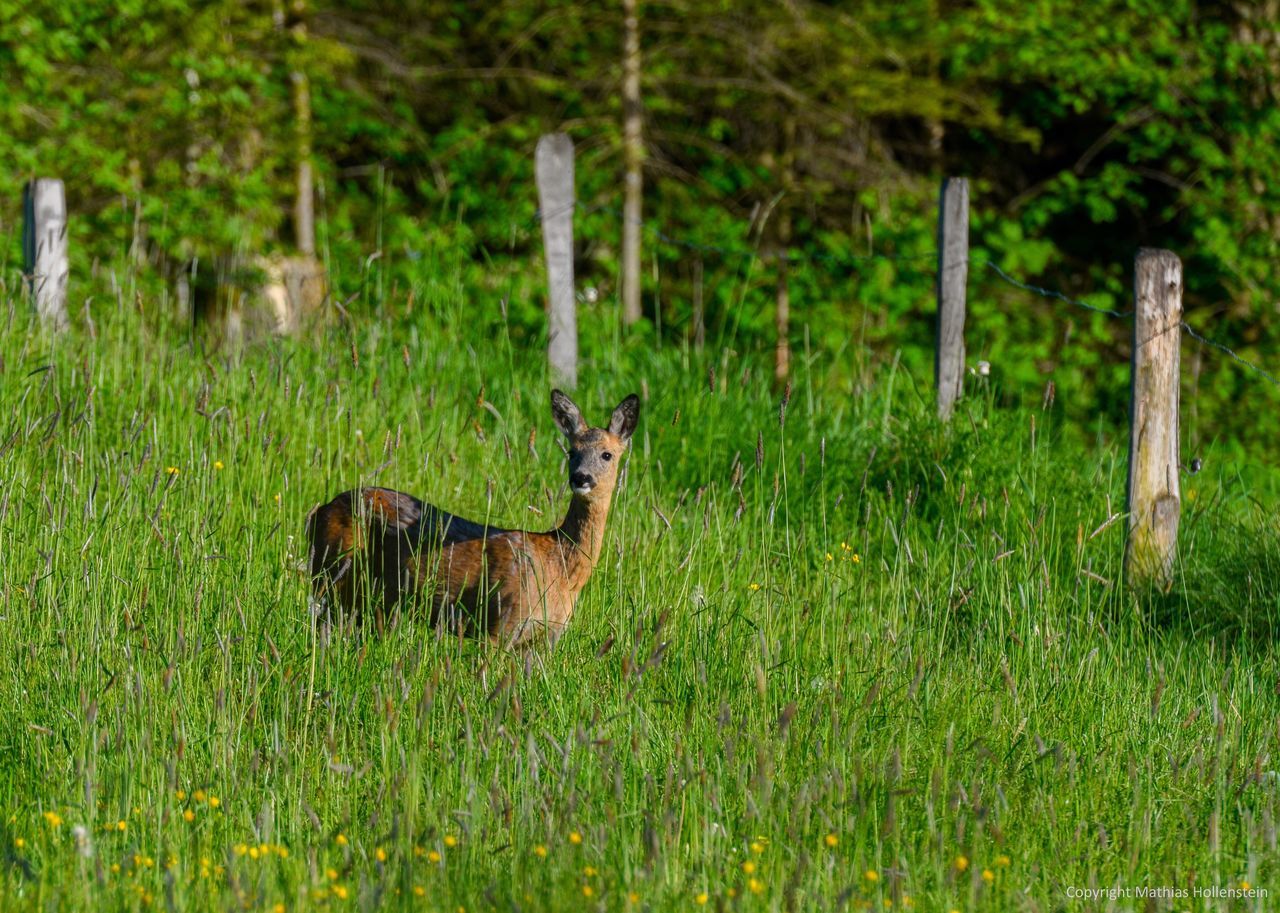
{"type": "Point", "coordinates": [633, 155]}
{"type": "Point", "coordinates": [782, 299]}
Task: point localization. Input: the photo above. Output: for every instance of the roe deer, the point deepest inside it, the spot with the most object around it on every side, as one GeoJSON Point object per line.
{"type": "Point", "coordinates": [378, 545]}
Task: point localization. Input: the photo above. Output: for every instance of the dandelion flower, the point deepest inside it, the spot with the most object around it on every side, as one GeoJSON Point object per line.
{"type": "Point", "coordinates": [180, 795]}
{"type": "Point", "coordinates": [633, 897]}
{"type": "Point", "coordinates": [540, 851]}
{"type": "Point", "coordinates": [988, 876]}
{"type": "Point", "coordinates": [188, 816]}
{"type": "Point", "coordinates": [589, 871]}
{"type": "Point", "coordinates": [278, 908]}
{"type": "Point", "coordinates": [19, 843]}
{"type": "Point", "coordinates": [241, 849]}
{"type": "Point", "coordinates": [748, 867]}
{"type": "Point", "coordinates": [450, 840]}
{"type": "Point", "coordinates": [122, 825]}
{"type": "Point", "coordinates": [831, 840]}
{"type": "Point", "coordinates": [433, 856]}
{"type": "Point", "coordinates": [341, 839]}
{"type": "Point", "coordinates": [214, 801]}
{"type": "Point", "coordinates": [340, 892]}
{"type": "Point", "coordinates": [871, 875]}
{"type": "Point", "coordinates": [575, 838]}
{"type": "Point", "coordinates": [380, 854]}
{"type": "Point", "coordinates": [753, 587]}
{"type": "Point", "coordinates": [830, 557]}
{"type": "Point", "coordinates": [1244, 886]}
{"type": "Point", "coordinates": [254, 853]}
{"type": "Point", "coordinates": [587, 890]}
{"type": "Point", "coordinates": [172, 470]}
{"type": "Point", "coordinates": [1002, 861]}
{"type": "Point", "coordinates": [755, 885]}
{"type": "Point", "coordinates": [331, 874]}
{"type": "Point", "coordinates": [198, 795]}
{"type": "Point", "coordinates": [419, 891]}
{"type": "Point", "coordinates": [702, 899]}
{"type": "Point", "coordinates": [217, 464]}
{"type": "Point", "coordinates": [54, 819]}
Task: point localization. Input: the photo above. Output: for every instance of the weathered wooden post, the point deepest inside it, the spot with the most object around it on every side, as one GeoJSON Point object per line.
{"type": "Point", "coordinates": [1153, 501]}
{"type": "Point", "coordinates": [554, 168]}
{"type": "Point", "coordinates": [953, 272]}
{"type": "Point", "coordinates": [44, 248]}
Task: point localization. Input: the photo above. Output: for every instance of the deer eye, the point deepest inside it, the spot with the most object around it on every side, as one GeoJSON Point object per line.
{"type": "Point", "coordinates": [606, 455]}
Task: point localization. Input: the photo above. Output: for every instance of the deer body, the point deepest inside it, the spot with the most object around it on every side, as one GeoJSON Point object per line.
{"type": "Point", "coordinates": [376, 546]}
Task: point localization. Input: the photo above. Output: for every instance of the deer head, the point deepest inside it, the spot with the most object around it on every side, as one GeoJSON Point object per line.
{"type": "Point", "coordinates": [594, 453]}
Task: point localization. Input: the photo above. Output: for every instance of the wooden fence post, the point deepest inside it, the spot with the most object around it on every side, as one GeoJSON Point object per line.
{"type": "Point", "coordinates": [953, 272]}
{"type": "Point", "coordinates": [44, 248]}
{"type": "Point", "coordinates": [554, 168]}
{"type": "Point", "coordinates": [1153, 501]}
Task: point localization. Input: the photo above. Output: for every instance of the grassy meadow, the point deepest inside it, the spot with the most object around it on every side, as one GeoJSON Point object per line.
{"type": "Point", "coordinates": [835, 656]}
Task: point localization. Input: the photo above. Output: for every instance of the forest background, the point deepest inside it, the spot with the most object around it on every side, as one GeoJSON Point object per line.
{"type": "Point", "coordinates": [818, 129]}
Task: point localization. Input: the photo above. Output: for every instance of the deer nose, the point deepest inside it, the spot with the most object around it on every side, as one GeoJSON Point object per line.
{"type": "Point", "coordinates": [582, 480]}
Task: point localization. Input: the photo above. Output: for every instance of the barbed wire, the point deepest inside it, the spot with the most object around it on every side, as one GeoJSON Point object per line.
{"type": "Point", "coordinates": [1270, 378]}
{"type": "Point", "coordinates": [846, 259]}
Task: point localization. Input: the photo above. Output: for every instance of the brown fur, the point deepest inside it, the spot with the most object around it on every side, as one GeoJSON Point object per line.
{"type": "Point", "coordinates": [371, 547]}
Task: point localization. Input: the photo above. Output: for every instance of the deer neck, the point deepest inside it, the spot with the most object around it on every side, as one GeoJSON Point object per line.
{"type": "Point", "coordinates": [581, 536]}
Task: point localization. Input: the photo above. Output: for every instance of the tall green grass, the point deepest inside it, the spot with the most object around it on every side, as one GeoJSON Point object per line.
{"type": "Point", "coordinates": [834, 656]}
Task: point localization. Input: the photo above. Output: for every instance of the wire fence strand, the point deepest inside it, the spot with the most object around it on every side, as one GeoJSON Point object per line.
{"type": "Point", "coordinates": [900, 259]}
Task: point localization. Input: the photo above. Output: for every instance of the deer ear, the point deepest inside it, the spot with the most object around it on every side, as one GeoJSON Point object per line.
{"type": "Point", "coordinates": [568, 418]}
{"type": "Point", "coordinates": [624, 418]}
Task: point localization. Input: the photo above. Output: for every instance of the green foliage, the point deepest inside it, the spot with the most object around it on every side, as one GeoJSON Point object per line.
{"type": "Point", "coordinates": [1142, 123]}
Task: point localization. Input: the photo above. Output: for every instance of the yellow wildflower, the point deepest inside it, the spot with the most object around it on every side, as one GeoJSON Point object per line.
{"type": "Point", "coordinates": [341, 839]}
{"type": "Point", "coordinates": [540, 851]}
{"type": "Point", "coordinates": [214, 801]}
{"type": "Point", "coordinates": [962, 863]}
{"type": "Point", "coordinates": [755, 885]}
{"type": "Point", "coordinates": [122, 825]}
{"type": "Point", "coordinates": [1003, 860]}
{"type": "Point", "coordinates": [198, 795]}
{"type": "Point", "coordinates": [831, 840]}
{"type": "Point", "coordinates": [988, 875]}
{"type": "Point", "coordinates": [587, 890]}
{"type": "Point", "coordinates": [339, 892]}
{"type": "Point", "coordinates": [433, 856]}
{"type": "Point", "coordinates": [753, 587]}
{"type": "Point", "coordinates": [54, 819]}
{"type": "Point", "coordinates": [331, 874]}
{"type": "Point", "coordinates": [757, 847]}
{"type": "Point", "coordinates": [188, 816]}
{"type": "Point", "coordinates": [19, 843]}
{"type": "Point", "coordinates": [871, 875]}
{"type": "Point", "coordinates": [380, 854]}
{"type": "Point", "coordinates": [748, 867]}
{"type": "Point", "coordinates": [217, 464]}
{"type": "Point", "coordinates": [701, 899]}
{"type": "Point", "coordinates": [450, 840]}
{"type": "Point", "coordinates": [575, 838]}
{"type": "Point", "coordinates": [633, 897]}
{"type": "Point", "coordinates": [180, 794]}
{"type": "Point", "coordinates": [172, 470]}
{"type": "Point", "coordinates": [419, 890]}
